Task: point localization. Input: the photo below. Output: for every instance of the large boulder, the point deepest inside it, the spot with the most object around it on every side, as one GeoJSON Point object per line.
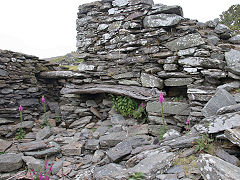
{"type": "Point", "coordinates": [190, 40]}
{"type": "Point", "coordinates": [220, 99]}
{"type": "Point", "coordinates": [213, 168]}
{"type": "Point", "coordinates": [161, 20]}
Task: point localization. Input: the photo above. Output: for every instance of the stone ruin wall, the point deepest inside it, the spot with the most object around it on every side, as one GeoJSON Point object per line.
{"type": "Point", "coordinates": [137, 43]}
{"type": "Point", "coordinates": [129, 43]}
{"type": "Point", "coordinates": [20, 85]}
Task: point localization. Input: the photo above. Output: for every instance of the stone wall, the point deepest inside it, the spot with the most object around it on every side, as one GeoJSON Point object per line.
{"type": "Point", "coordinates": [132, 48]}
{"type": "Point", "coordinates": [134, 43]}
{"type": "Point", "coordinates": [19, 85]}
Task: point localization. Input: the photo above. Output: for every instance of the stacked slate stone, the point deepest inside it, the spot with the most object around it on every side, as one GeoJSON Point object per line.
{"type": "Point", "coordinates": [136, 43]}
{"type": "Point", "coordinates": [19, 86]}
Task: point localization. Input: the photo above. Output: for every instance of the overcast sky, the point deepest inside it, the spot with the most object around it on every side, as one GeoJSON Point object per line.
{"type": "Point", "coordinates": [47, 28]}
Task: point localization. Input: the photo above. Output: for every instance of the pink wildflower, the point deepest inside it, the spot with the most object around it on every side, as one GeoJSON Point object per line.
{"type": "Point", "coordinates": [161, 98]}
{"type": "Point", "coordinates": [49, 170]}
{"type": "Point", "coordinates": [41, 176]}
{"type": "Point", "coordinates": [43, 99]}
{"type": "Point", "coordinates": [33, 171]}
{"type": "Point", "coordinates": [20, 108]}
{"type": "Point", "coordinates": [141, 104]}
{"type": "Point", "coordinates": [187, 122]}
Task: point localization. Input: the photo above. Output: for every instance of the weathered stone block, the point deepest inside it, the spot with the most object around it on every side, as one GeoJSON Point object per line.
{"type": "Point", "coordinates": [10, 162]}
{"type": "Point", "coordinates": [151, 81]}
{"type": "Point", "coordinates": [177, 108]}
{"type": "Point", "coordinates": [178, 81]}
{"type": "Point", "coordinates": [161, 20]}
{"type": "Point", "coordinates": [220, 99]}
{"type": "Point", "coordinates": [190, 40]}
{"type": "Point", "coordinates": [212, 167]}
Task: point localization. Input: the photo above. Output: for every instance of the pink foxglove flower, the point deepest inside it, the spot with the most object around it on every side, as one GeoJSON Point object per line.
{"type": "Point", "coordinates": [41, 176]}
{"type": "Point", "coordinates": [161, 98]}
{"type": "Point", "coordinates": [20, 108]}
{"type": "Point", "coordinates": [33, 171]}
{"type": "Point", "coordinates": [43, 99]}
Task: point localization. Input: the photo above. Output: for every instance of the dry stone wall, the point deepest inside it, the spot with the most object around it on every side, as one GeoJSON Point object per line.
{"type": "Point", "coordinates": [19, 85]}
{"type": "Point", "coordinates": [133, 48]}
{"type": "Point", "coordinates": [135, 43]}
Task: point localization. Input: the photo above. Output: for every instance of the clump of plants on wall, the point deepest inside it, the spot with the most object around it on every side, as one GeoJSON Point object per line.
{"type": "Point", "coordinates": [128, 107]}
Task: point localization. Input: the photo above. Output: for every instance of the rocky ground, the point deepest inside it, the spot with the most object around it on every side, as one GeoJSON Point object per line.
{"type": "Point", "coordinates": [115, 147]}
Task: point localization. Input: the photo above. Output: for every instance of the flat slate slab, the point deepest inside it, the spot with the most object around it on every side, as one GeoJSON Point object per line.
{"type": "Point", "coordinates": [214, 168]}
{"type": "Point", "coordinates": [177, 108]}
{"type": "Point", "coordinates": [220, 99]}
{"type": "Point", "coordinates": [119, 151]}
{"type": "Point", "coordinates": [61, 74]}
{"type": "Point", "coordinates": [233, 135]}
{"type": "Point", "coordinates": [178, 81]}
{"type": "Point", "coordinates": [161, 20]}
{"type": "Point", "coordinates": [215, 124]}
{"type": "Point", "coordinates": [159, 162]}
{"type": "Point", "coordinates": [112, 139]}
{"type": "Point", "coordinates": [10, 162]}
{"type": "Point", "coordinates": [108, 171]}
{"type": "Point", "coordinates": [131, 91]}
{"type": "Point", "coordinates": [4, 145]}
{"type": "Point", "coordinates": [30, 146]}
{"type": "Point", "coordinates": [190, 40]}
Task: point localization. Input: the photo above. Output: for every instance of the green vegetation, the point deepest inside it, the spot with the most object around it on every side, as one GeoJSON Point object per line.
{"type": "Point", "coordinates": [124, 105]}
{"type": "Point", "coordinates": [71, 68]}
{"type": "Point", "coordinates": [137, 176]}
{"type": "Point", "coordinates": [187, 162]}
{"type": "Point", "coordinates": [162, 131]}
{"type": "Point", "coordinates": [129, 107]}
{"type": "Point", "coordinates": [20, 134]}
{"type": "Point", "coordinates": [177, 99]}
{"type": "Point", "coordinates": [231, 18]}
{"type": "Point", "coordinates": [2, 153]}
{"type": "Point", "coordinates": [57, 59]}
{"type": "Point", "coordinates": [140, 113]}
{"type": "Point", "coordinates": [93, 129]}
{"type": "Point", "coordinates": [204, 144]}
{"type": "Point", "coordinates": [235, 91]}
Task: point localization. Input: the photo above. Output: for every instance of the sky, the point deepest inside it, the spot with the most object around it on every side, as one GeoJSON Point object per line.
{"type": "Point", "coordinates": [47, 28]}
